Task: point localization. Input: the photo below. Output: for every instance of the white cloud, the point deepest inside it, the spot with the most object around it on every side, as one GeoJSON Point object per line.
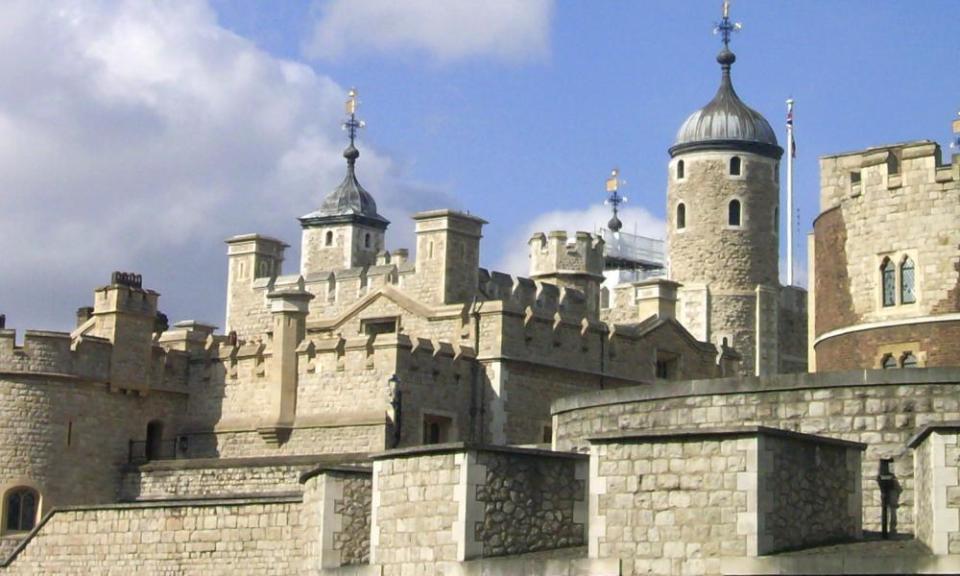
{"type": "Point", "coordinates": [636, 220]}
{"type": "Point", "coordinates": [138, 135]}
{"type": "Point", "coordinates": [445, 30]}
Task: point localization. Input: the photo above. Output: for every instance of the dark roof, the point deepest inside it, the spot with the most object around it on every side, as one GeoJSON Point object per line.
{"type": "Point", "coordinates": [349, 202]}
{"type": "Point", "coordinates": [726, 122]}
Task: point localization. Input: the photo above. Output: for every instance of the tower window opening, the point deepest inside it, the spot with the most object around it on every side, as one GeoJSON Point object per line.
{"type": "Point", "coordinates": [328, 241]}
{"type": "Point", "coordinates": [681, 216]}
{"type": "Point", "coordinates": [908, 360]}
{"type": "Point", "coordinates": [733, 213]}
{"type": "Point", "coordinates": [907, 278]}
{"type": "Point", "coordinates": [366, 240]}
{"type": "Point", "coordinates": [888, 273]}
{"type": "Point", "coordinates": [735, 166]}
{"type": "Point", "coordinates": [437, 429]}
{"type": "Point", "coordinates": [680, 170]}
{"type": "Point", "coordinates": [21, 509]}
{"type": "Point", "coordinates": [888, 362]}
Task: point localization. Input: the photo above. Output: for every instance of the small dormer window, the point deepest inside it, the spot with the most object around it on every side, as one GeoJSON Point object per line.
{"type": "Point", "coordinates": [733, 213]}
{"type": "Point", "coordinates": [328, 240]}
{"type": "Point", "coordinates": [735, 166]}
{"type": "Point", "coordinates": [680, 170]}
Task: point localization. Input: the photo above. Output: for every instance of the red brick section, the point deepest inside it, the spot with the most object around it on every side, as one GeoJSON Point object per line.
{"type": "Point", "coordinates": [952, 301]}
{"type": "Point", "coordinates": [834, 305]}
{"type": "Point", "coordinates": [859, 350]}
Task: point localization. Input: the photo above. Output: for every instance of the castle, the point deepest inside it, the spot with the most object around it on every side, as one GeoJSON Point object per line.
{"type": "Point", "coordinates": [377, 413]}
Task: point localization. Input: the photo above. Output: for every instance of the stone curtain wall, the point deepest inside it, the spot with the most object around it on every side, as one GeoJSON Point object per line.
{"type": "Point", "coordinates": [529, 503]}
{"type": "Point", "coordinates": [414, 511]}
{"type": "Point", "coordinates": [238, 537]}
{"type": "Point", "coordinates": [810, 493]}
{"type": "Point", "coordinates": [186, 478]}
{"type": "Point", "coordinates": [669, 507]}
{"type": "Point", "coordinates": [937, 449]}
{"type": "Point", "coordinates": [879, 408]}
{"type": "Point", "coordinates": [336, 438]}
{"type": "Point", "coordinates": [923, 492]}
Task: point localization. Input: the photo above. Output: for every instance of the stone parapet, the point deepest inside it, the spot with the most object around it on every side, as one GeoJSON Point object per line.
{"type": "Point", "coordinates": [679, 502]}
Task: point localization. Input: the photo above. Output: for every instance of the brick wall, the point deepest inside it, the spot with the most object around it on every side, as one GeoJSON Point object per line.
{"type": "Point", "coordinates": [935, 344]}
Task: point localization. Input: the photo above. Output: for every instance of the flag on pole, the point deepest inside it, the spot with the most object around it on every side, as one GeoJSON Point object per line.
{"type": "Point", "coordinates": [793, 141]}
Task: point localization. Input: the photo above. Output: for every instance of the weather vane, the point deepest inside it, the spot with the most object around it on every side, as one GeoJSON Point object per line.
{"type": "Point", "coordinates": [352, 125]}
{"type": "Point", "coordinates": [725, 27]}
{"type": "Point", "coordinates": [615, 199]}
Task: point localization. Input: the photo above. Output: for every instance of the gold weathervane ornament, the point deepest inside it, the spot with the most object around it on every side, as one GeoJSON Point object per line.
{"type": "Point", "coordinates": [353, 125]}
{"type": "Point", "coordinates": [725, 27]}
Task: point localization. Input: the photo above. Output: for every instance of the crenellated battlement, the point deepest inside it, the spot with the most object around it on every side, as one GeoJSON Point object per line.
{"type": "Point", "coordinates": [83, 357]}
{"type": "Point", "coordinates": [899, 168]}
{"type": "Point", "coordinates": [556, 253]}
{"type": "Point", "coordinates": [545, 298]}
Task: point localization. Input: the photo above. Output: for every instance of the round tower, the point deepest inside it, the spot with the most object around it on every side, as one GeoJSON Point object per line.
{"type": "Point", "coordinates": [723, 206]}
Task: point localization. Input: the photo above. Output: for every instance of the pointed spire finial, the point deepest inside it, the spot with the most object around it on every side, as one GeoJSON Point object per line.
{"type": "Point", "coordinates": [614, 182]}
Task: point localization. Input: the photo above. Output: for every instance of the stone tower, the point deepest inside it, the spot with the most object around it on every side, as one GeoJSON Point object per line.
{"type": "Point", "coordinates": [347, 231]}
{"type": "Point", "coordinates": [723, 208]}
{"type": "Point", "coordinates": [569, 264]}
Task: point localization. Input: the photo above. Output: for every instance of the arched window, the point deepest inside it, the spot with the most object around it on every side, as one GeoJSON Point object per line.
{"type": "Point", "coordinates": [907, 279]}
{"type": "Point", "coordinates": [154, 443]}
{"type": "Point", "coordinates": [366, 240]}
{"type": "Point", "coordinates": [908, 360]}
{"type": "Point", "coordinates": [680, 168]}
{"type": "Point", "coordinates": [681, 216]}
{"type": "Point", "coordinates": [888, 275]}
{"type": "Point", "coordinates": [733, 213]}
{"type": "Point", "coordinates": [888, 362]}
{"type": "Point", "coordinates": [20, 505]}
{"type": "Point", "coordinates": [329, 239]}
{"type": "Point", "coordinates": [735, 166]}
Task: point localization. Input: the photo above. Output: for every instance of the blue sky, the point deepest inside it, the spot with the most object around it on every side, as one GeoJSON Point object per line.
{"type": "Point", "coordinates": [137, 136]}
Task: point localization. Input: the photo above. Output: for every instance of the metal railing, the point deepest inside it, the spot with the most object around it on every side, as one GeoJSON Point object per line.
{"type": "Point", "coordinates": [633, 248]}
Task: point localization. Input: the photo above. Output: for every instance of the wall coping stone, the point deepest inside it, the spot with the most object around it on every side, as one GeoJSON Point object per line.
{"type": "Point", "coordinates": [755, 384]}
{"type": "Point", "coordinates": [921, 435]}
{"type": "Point", "coordinates": [725, 431]}
{"type": "Point", "coordinates": [252, 461]}
{"type": "Point", "coordinates": [201, 499]}
{"type": "Point", "coordinates": [345, 469]}
{"type": "Point", "coordinates": [456, 447]}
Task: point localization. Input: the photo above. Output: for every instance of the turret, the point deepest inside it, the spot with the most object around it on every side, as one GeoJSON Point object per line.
{"type": "Point", "coordinates": [569, 264]}
{"type": "Point", "coordinates": [448, 255]}
{"type": "Point", "coordinates": [723, 208]}
{"type": "Point", "coordinates": [253, 260]}
{"type": "Point", "coordinates": [124, 313]}
{"type": "Point", "coordinates": [347, 231]}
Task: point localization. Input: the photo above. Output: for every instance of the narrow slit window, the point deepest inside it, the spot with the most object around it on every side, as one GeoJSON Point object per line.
{"type": "Point", "coordinates": [329, 239]}
{"type": "Point", "coordinates": [681, 216]}
{"type": "Point", "coordinates": [366, 241]}
{"type": "Point", "coordinates": [888, 275]}
{"type": "Point", "coordinates": [735, 166]}
{"type": "Point", "coordinates": [733, 213]}
{"type": "Point", "coordinates": [680, 170]}
{"type": "Point", "coordinates": [907, 279]}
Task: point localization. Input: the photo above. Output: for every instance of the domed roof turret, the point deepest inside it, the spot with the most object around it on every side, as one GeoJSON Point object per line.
{"type": "Point", "coordinates": [727, 123]}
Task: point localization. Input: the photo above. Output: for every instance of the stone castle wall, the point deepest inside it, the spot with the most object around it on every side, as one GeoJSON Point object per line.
{"type": "Point", "coordinates": [889, 202]}
{"type": "Point", "coordinates": [179, 479]}
{"type": "Point", "coordinates": [257, 536]}
{"type": "Point", "coordinates": [881, 409]}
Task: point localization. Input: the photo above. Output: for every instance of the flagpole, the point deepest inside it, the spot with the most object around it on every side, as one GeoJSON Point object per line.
{"type": "Point", "coordinates": [790, 152]}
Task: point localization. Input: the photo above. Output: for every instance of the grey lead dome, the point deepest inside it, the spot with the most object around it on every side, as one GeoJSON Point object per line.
{"type": "Point", "coordinates": [726, 122]}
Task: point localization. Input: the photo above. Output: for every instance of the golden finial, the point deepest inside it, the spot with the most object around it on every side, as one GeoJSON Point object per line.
{"type": "Point", "coordinates": [726, 8]}
{"type": "Point", "coordinates": [352, 125]}
{"type": "Point", "coordinates": [613, 182]}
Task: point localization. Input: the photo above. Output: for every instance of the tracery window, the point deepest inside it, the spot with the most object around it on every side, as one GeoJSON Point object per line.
{"type": "Point", "coordinates": [681, 216]}
{"type": "Point", "coordinates": [733, 213]}
{"type": "Point", "coordinates": [888, 274]}
{"type": "Point", "coordinates": [21, 509]}
{"type": "Point", "coordinates": [907, 279]}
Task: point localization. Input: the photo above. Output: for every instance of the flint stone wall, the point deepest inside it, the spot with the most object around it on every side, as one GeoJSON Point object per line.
{"type": "Point", "coordinates": [881, 409]}
{"type": "Point", "coordinates": [530, 503]}
{"type": "Point", "coordinates": [236, 537]}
